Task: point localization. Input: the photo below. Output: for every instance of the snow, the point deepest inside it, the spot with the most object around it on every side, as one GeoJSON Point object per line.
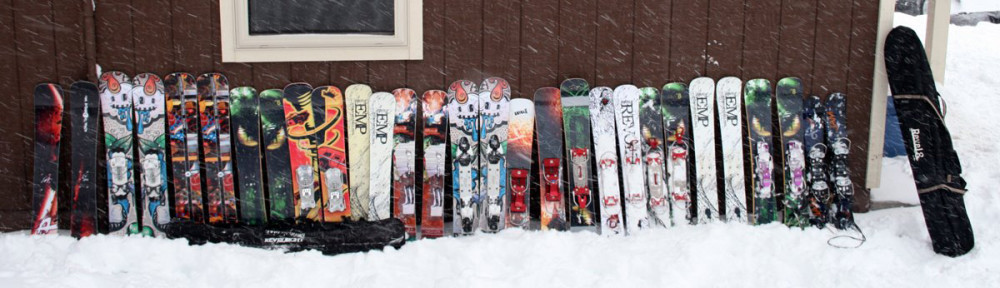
{"type": "Point", "coordinates": [897, 253]}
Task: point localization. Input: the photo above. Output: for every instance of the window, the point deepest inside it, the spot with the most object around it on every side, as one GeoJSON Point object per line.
{"type": "Point", "coordinates": [321, 30]}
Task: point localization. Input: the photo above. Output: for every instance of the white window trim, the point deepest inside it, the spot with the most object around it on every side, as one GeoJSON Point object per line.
{"type": "Point", "coordinates": [239, 46]}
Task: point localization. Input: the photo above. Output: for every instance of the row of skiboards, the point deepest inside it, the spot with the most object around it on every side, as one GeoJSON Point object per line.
{"type": "Point", "coordinates": [313, 169]}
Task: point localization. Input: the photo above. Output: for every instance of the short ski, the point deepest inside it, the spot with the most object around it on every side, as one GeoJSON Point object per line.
{"type": "Point", "coordinates": [817, 187]}
{"type": "Point", "coordinates": [150, 125]}
{"type": "Point", "coordinates": [757, 96]}
{"type": "Point", "coordinates": [83, 112]}
{"type": "Point", "coordinates": [214, 137]}
{"type": "Point", "coordinates": [404, 156]}
{"type": "Point", "coordinates": [356, 104]}
{"type": "Point", "coordinates": [281, 201]}
{"type": "Point", "coordinates": [651, 117]}
{"type": "Point", "coordinates": [463, 115]}
{"type": "Point", "coordinates": [435, 135]}
{"type": "Point", "coordinates": [331, 156]}
{"type": "Point", "coordinates": [576, 125]}
{"type": "Point", "coordinates": [382, 108]}
{"type": "Point", "coordinates": [494, 101]}
{"type": "Point", "coordinates": [789, 101]}
{"type": "Point", "coordinates": [116, 111]}
{"type": "Point", "coordinates": [602, 118]}
{"type": "Point", "coordinates": [840, 145]}
{"type": "Point", "coordinates": [182, 123]}
{"type": "Point", "coordinates": [676, 121]}
{"type": "Point", "coordinates": [703, 131]}
{"type": "Point", "coordinates": [548, 131]}
{"type": "Point", "coordinates": [519, 139]}
{"type": "Point", "coordinates": [246, 121]}
{"type": "Point", "coordinates": [730, 104]}
{"type": "Point", "coordinates": [48, 127]}
{"type": "Point", "coordinates": [301, 127]}
{"type": "Point", "coordinates": [626, 98]}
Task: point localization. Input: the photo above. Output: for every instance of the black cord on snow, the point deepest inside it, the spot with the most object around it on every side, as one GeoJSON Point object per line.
{"type": "Point", "coordinates": [860, 240]}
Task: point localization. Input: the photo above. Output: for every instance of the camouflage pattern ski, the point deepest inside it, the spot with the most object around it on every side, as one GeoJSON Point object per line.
{"type": "Point", "coordinates": [548, 130]}
{"type": "Point", "coordinates": [494, 101]}
{"type": "Point", "coordinates": [463, 115]}
{"type": "Point", "coordinates": [278, 172]}
{"type": "Point", "coordinates": [150, 125]}
{"type": "Point", "coordinates": [185, 161]}
{"type": "Point", "coordinates": [789, 101]}
{"type": "Point", "coordinates": [757, 96]}
{"type": "Point", "coordinates": [817, 188]}
{"type": "Point", "coordinates": [358, 139]}
{"type": "Point", "coordinates": [730, 104]}
{"type": "Point", "coordinates": [83, 111]}
{"type": "Point", "coordinates": [246, 120]}
{"type": "Point", "coordinates": [116, 111]}
{"type": "Point", "coordinates": [382, 107]}
{"type": "Point", "coordinates": [602, 118]}
{"type": "Point", "coordinates": [626, 98]}
{"type": "Point", "coordinates": [435, 134]}
{"type": "Point", "coordinates": [45, 182]}
{"type": "Point", "coordinates": [651, 116]}
{"type": "Point", "coordinates": [579, 167]}
{"type": "Point", "coordinates": [520, 134]}
{"type": "Point", "coordinates": [676, 120]}
{"type": "Point", "coordinates": [331, 156]}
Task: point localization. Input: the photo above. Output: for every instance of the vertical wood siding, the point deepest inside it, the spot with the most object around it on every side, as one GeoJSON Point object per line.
{"type": "Point", "coordinates": [532, 43]}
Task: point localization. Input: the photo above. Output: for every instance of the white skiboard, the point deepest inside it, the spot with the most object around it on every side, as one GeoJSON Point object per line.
{"type": "Point", "coordinates": [494, 101]}
{"type": "Point", "coordinates": [730, 101]}
{"type": "Point", "coordinates": [703, 122]}
{"type": "Point", "coordinates": [382, 107]}
{"type": "Point", "coordinates": [602, 117]}
{"type": "Point", "coordinates": [626, 99]}
{"type": "Point", "coordinates": [356, 97]}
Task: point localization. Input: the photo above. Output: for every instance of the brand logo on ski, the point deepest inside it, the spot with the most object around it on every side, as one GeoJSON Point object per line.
{"type": "Point", "coordinates": [381, 124]}
{"type": "Point", "coordinates": [627, 112]}
{"type": "Point", "coordinates": [361, 112]}
{"type": "Point", "coordinates": [702, 104]}
{"type": "Point", "coordinates": [731, 114]}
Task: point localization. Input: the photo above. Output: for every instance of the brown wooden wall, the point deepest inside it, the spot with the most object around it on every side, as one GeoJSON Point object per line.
{"type": "Point", "coordinates": [531, 43]}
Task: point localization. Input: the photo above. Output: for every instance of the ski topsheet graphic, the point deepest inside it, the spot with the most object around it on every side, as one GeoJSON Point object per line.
{"type": "Point", "coordinates": [281, 207]}
{"type": "Point", "coordinates": [548, 112]}
{"type": "Point", "coordinates": [576, 125]}
{"type": "Point", "coordinates": [48, 127]}
{"type": "Point", "coordinates": [463, 114]}
{"type": "Point", "coordinates": [494, 100]}
{"type": "Point", "coordinates": [382, 106]}
{"type": "Point", "coordinates": [840, 145]}
{"type": "Point", "coordinates": [730, 103]}
{"type": "Point", "coordinates": [817, 187]}
{"type": "Point", "coordinates": [626, 98]}
{"type": "Point", "coordinates": [519, 139]}
{"type": "Point", "coordinates": [358, 129]}
{"type": "Point", "coordinates": [246, 121]}
{"type": "Point", "coordinates": [757, 96]}
{"type": "Point", "coordinates": [434, 140]}
{"type": "Point", "coordinates": [404, 178]}
{"type": "Point", "coordinates": [116, 111]}
{"type": "Point", "coordinates": [602, 116]}
{"type": "Point", "coordinates": [301, 126]}
{"type": "Point", "coordinates": [651, 116]}
{"type": "Point", "coordinates": [83, 113]}
{"type": "Point", "coordinates": [676, 121]}
{"type": "Point", "coordinates": [182, 123]}
{"type": "Point", "coordinates": [331, 155]}
{"type": "Point", "coordinates": [213, 104]}
{"type": "Point", "coordinates": [703, 131]}
{"type": "Point", "coordinates": [150, 125]}
{"type": "Point", "coordinates": [789, 101]}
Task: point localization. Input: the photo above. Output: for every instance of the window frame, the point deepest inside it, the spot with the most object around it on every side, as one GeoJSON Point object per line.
{"type": "Point", "coordinates": [239, 46]}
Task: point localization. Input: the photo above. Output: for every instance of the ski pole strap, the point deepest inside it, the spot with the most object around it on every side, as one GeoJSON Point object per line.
{"type": "Point", "coordinates": [942, 186]}
{"type": "Point", "coordinates": [921, 97]}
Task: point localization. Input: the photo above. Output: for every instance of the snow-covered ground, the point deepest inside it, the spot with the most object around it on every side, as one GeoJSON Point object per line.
{"type": "Point", "coordinates": [897, 253]}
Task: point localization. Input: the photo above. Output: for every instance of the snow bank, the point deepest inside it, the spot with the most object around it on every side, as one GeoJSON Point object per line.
{"type": "Point", "coordinates": [897, 254]}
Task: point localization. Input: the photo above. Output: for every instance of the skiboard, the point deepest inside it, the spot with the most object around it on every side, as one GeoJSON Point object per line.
{"type": "Point", "coordinates": [789, 101]}
{"type": "Point", "coordinates": [730, 104]}
{"type": "Point", "coordinates": [548, 130]}
{"type": "Point", "coordinates": [579, 167]}
{"type": "Point", "coordinates": [463, 115]}
{"type": "Point", "coordinates": [651, 118]}
{"type": "Point", "coordinates": [301, 126]}
{"type": "Point", "coordinates": [519, 142]}
{"type": "Point", "coordinates": [116, 111]}
{"type": "Point", "coordinates": [626, 98]}
{"type": "Point", "coordinates": [356, 104]}
{"type": "Point", "coordinates": [602, 118]}
{"type": "Point", "coordinates": [494, 102]}
{"type": "Point", "coordinates": [150, 125]}
{"type": "Point", "coordinates": [702, 92]}
{"type": "Point", "coordinates": [246, 120]}
{"type": "Point", "coordinates": [45, 183]}
{"type": "Point", "coordinates": [404, 154]}
{"type": "Point", "coordinates": [213, 93]}
{"type": "Point", "coordinates": [278, 172]}
{"type": "Point", "coordinates": [676, 120]}
{"type": "Point", "coordinates": [817, 187]}
{"type": "Point", "coordinates": [83, 111]}
{"type": "Point", "coordinates": [223, 107]}
{"type": "Point", "coordinates": [435, 134]}
{"type": "Point", "coordinates": [182, 122]}
{"type": "Point", "coordinates": [331, 156]}
{"type": "Point", "coordinates": [382, 107]}
{"type": "Point", "coordinates": [840, 175]}
{"type": "Point", "coordinates": [757, 97]}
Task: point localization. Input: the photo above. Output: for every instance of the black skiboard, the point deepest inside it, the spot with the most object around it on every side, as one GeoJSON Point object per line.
{"type": "Point", "coordinates": [245, 115]}
{"type": "Point", "coordinates": [278, 168]}
{"type": "Point", "coordinates": [936, 167]}
{"type": "Point", "coordinates": [817, 187]}
{"type": "Point", "coordinates": [840, 175]}
{"type": "Point", "coordinates": [83, 113]}
{"type": "Point", "coordinates": [48, 127]}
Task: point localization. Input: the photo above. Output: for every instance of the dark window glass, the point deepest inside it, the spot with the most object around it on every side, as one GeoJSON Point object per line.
{"type": "Point", "coordinates": [269, 17]}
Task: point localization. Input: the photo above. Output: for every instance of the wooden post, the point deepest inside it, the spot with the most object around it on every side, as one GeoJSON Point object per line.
{"type": "Point", "coordinates": [938, 20]}
{"type": "Point", "coordinates": [880, 93]}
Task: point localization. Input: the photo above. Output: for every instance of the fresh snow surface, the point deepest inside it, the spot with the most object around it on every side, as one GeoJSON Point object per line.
{"type": "Point", "coordinates": [897, 253]}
